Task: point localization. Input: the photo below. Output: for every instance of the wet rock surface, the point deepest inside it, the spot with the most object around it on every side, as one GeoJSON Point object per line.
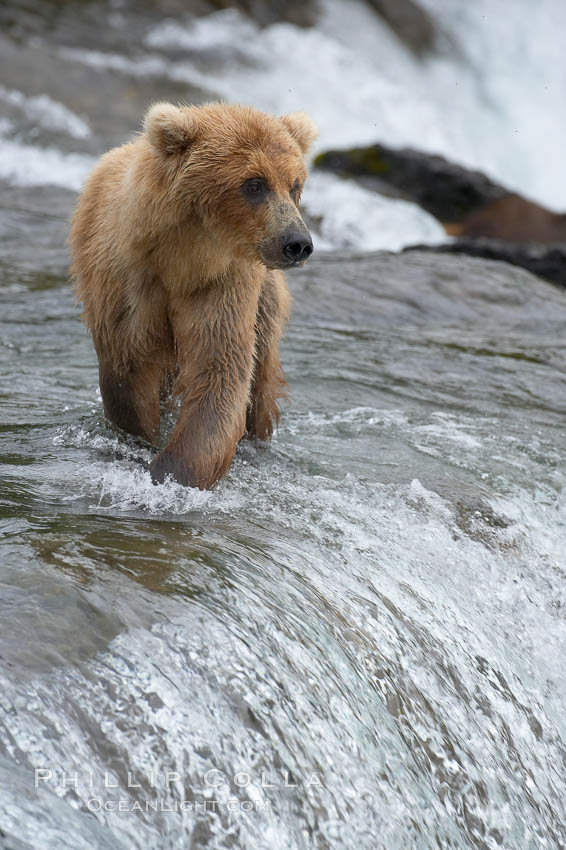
{"type": "Point", "coordinates": [421, 287]}
{"type": "Point", "coordinates": [545, 261]}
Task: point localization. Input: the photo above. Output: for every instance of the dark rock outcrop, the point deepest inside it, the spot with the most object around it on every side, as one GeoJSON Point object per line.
{"type": "Point", "coordinates": [302, 13]}
{"type": "Point", "coordinates": [447, 191]}
{"type": "Point", "coordinates": [488, 220]}
{"type": "Point", "coordinates": [412, 24]}
{"type": "Point", "coordinates": [545, 261]}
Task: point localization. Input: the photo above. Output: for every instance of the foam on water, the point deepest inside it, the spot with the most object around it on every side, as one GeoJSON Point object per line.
{"type": "Point", "coordinates": [146, 66]}
{"type": "Point", "coordinates": [24, 164]}
{"type": "Point", "coordinates": [33, 165]}
{"type": "Point", "coordinates": [514, 64]}
{"type": "Point", "coordinates": [124, 484]}
{"type": "Point", "coordinates": [385, 223]}
{"type": "Point", "coordinates": [205, 32]}
{"type": "Point", "coordinates": [48, 113]}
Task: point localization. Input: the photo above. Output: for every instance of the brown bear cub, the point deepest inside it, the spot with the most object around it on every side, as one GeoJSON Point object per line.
{"type": "Point", "coordinates": [177, 240]}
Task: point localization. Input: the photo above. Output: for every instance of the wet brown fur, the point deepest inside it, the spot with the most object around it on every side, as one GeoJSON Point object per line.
{"type": "Point", "coordinates": [171, 264]}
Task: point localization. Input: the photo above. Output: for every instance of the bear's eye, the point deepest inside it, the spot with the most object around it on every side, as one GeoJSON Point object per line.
{"type": "Point", "coordinates": [255, 188]}
{"type": "Point", "coordinates": [295, 192]}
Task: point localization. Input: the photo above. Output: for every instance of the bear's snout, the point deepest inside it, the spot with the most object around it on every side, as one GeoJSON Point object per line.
{"type": "Point", "coordinates": [297, 246]}
{"type": "Point", "coordinates": [290, 246]}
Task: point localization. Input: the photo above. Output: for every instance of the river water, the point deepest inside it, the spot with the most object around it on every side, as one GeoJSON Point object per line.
{"type": "Point", "coordinates": [358, 639]}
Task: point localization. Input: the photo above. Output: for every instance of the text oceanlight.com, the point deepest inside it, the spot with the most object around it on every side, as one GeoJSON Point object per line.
{"type": "Point", "coordinates": [96, 804]}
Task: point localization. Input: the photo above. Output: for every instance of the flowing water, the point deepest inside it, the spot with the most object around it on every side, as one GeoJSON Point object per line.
{"type": "Point", "coordinates": [357, 640]}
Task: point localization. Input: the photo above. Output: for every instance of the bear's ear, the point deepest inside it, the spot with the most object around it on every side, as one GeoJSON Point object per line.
{"type": "Point", "coordinates": [302, 128]}
{"type": "Point", "coordinates": [170, 129]}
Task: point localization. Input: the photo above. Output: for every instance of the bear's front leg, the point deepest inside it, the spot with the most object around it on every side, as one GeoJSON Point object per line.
{"type": "Point", "coordinates": [131, 397]}
{"type": "Point", "coordinates": [269, 384]}
{"type": "Point", "coordinates": [215, 339]}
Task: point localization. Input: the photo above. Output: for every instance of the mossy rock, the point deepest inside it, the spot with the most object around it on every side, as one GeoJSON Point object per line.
{"type": "Point", "coordinates": [355, 161]}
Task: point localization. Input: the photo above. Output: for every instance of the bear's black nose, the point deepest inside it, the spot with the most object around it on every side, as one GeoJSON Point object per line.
{"type": "Point", "coordinates": [297, 247]}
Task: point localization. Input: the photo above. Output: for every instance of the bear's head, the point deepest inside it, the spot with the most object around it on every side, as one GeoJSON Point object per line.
{"type": "Point", "coordinates": [241, 172]}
